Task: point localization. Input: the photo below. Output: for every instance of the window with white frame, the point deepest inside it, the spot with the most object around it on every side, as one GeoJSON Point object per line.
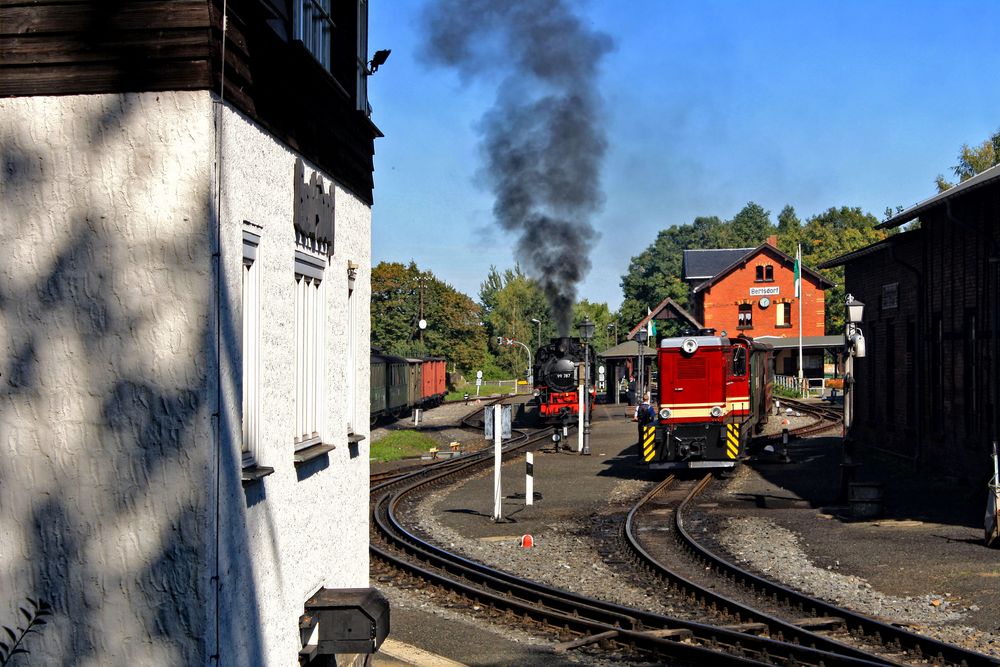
{"type": "Point", "coordinates": [745, 316]}
{"type": "Point", "coordinates": [783, 314]}
{"type": "Point", "coordinates": [251, 347]}
{"type": "Point", "coordinates": [310, 341]}
{"type": "Point", "coordinates": [313, 25]}
{"type": "Point", "coordinates": [362, 57]}
{"type": "Point", "coordinates": [352, 348]}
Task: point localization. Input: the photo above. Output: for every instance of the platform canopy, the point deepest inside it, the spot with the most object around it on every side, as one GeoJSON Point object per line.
{"type": "Point", "coordinates": [627, 350]}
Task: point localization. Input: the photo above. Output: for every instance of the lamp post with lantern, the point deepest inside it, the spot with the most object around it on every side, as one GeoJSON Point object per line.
{"type": "Point", "coordinates": [640, 337]}
{"type": "Point", "coordinates": [854, 344]}
{"type": "Point", "coordinates": [586, 333]}
{"type": "Point", "coordinates": [537, 321]}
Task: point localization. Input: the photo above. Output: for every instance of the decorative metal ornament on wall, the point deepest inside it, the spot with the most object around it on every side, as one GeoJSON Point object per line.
{"type": "Point", "coordinates": [313, 206]}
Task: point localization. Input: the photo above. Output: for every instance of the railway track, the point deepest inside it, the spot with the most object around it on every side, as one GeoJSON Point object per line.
{"type": "Point", "coordinates": [793, 615]}
{"type": "Point", "coordinates": [771, 629]}
{"type": "Point", "coordinates": [574, 620]}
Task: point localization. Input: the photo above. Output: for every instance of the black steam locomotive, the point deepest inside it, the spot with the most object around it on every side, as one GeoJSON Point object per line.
{"type": "Point", "coordinates": [558, 371]}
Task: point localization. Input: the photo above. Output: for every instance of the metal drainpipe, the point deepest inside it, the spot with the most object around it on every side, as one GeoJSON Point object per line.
{"type": "Point", "coordinates": [992, 261]}
{"type": "Point", "coordinates": [921, 306]}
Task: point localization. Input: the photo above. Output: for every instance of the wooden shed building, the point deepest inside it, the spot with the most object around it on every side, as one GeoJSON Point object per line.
{"type": "Point", "coordinates": [927, 385]}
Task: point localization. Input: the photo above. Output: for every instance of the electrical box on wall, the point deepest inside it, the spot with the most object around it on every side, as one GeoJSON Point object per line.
{"type": "Point", "coordinates": [348, 620]}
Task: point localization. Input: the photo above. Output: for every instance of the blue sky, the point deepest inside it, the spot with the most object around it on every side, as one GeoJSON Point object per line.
{"type": "Point", "coordinates": [709, 105]}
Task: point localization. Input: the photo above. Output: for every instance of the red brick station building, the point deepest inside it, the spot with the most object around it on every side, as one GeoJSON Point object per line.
{"type": "Point", "coordinates": [749, 291]}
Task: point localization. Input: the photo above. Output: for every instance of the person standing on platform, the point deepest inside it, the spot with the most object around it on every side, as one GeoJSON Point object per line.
{"type": "Point", "coordinates": [644, 415]}
{"type": "Point", "coordinates": [631, 390]}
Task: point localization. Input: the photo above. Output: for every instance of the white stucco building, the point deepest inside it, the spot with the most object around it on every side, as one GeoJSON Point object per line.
{"type": "Point", "coordinates": [184, 313]}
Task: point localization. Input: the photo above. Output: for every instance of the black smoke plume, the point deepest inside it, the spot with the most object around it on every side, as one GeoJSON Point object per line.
{"type": "Point", "coordinates": [544, 137]}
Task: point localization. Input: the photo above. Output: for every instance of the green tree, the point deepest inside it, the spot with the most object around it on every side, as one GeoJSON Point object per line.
{"type": "Point", "coordinates": [601, 316]}
{"type": "Point", "coordinates": [453, 330]}
{"type": "Point", "coordinates": [749, 228]}
{"type": "Point", "coordinates": [973, 160]}
{"type": "Point", "coordinates": [831, 234]}
{"type": "Point", "coordinates": [789, 231]}
{"type": "Point", "coordinates": [509, 301]}
{"type": "Point", "coordinates": [656, 272]}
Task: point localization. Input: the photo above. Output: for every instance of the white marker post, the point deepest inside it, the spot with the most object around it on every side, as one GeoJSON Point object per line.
{"type": "Point", "coordinates": [579, 425]}
{"type": "Point", "coordinates": [497, 438]}
{"type": "Point", "coordinates": [529, 479]}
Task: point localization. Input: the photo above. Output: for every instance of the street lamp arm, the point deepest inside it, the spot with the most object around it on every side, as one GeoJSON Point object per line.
{"type": "Point", "coordinates": [526, 349]}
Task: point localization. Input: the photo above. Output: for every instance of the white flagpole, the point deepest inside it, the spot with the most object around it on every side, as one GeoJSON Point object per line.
{"type": "Point", "coordinates": [798, 289]}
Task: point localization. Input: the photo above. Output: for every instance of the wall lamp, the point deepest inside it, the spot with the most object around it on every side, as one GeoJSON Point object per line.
{"type": "Point", "coordinates": [352, 274]}
{"type": "Point", "coordinates": [378, 60]}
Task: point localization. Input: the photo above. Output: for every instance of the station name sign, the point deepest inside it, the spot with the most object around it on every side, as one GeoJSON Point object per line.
{"type": "Point", "coordinates": [765, 291]}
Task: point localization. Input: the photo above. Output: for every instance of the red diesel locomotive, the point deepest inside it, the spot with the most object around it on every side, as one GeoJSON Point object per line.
{"type": "Point", "coordinates": [714, 393]}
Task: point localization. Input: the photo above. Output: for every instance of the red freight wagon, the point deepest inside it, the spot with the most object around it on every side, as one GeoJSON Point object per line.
{"type": "Point", "coordinates": [434, 385]}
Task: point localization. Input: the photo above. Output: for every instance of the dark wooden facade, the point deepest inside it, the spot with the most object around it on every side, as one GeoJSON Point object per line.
{"type": "Point", "coordinates": [72, 47]}
{"type": "Point", "coordinates": [927, 386]}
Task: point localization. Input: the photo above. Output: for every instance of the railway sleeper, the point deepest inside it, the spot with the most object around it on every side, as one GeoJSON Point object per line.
{"type": "Point", "coordinates": [562, 647]}
{"type": "Point", "coordinates": [748, 628]}
{"type": "Point", "coordinates": [828, 623]}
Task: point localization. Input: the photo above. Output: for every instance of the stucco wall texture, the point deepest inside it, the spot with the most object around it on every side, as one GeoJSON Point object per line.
{"type": "Point", "coordinates": [120, 415]}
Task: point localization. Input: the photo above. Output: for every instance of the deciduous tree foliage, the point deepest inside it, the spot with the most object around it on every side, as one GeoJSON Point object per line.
{"type": "Point", "coordinates": [452, 332]}
{"type": "Point", "coordinates": [655, 273]}
{"type": "Point", "coordinates": [831, 234]}
{"type": "Point", "coordinates": [973, 160]}
{"type": "Point", "coordinates": [509, 302]}
{"type": "Point", "coordinates": [601, 316]}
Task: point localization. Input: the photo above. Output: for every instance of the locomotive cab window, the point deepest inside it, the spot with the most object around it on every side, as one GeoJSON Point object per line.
{"type": "Point", "coordinates": [739, 367]}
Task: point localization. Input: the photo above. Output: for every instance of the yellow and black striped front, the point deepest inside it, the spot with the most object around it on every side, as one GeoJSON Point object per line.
{"type": "Point", "coordinates": [648, 443]}
{"type": "Point", "coordinates": [733, 441]}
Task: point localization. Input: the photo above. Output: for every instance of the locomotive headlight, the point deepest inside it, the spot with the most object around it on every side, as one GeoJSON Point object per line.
{"type": "Point", "coordinates": [689, 345]}
{"type": "Point", "coordinates": [537, 393]}
{"type": "Point", "coordinates": [716, 411]}
{"type": "Point", "coordinates": [664, 413]}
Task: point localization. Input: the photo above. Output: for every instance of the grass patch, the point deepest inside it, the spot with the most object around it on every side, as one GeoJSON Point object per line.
{"type": "Point", "coordinates": [401, 445]}
{"type": "Point", "coordinates": [783, 392]}
{"type": "Point", "coordinates": [484, 390]}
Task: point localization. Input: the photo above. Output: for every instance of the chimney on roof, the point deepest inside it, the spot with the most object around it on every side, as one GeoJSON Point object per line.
{"type": "Point", "coordinates": [772, 240]}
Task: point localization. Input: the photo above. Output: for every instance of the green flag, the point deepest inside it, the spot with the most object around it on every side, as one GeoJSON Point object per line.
{"type": "Point", "coordinates": [798, 272]}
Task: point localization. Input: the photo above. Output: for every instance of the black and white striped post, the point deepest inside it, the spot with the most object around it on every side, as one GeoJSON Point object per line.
{"type": "Point", "coordinates": [529, 478]}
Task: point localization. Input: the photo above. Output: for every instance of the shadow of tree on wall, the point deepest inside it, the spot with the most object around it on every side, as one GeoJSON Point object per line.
{"type": "Point", "coordinates": [109, 494]}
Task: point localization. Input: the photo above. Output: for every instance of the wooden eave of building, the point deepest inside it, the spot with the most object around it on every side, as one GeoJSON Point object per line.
{"type": "Point", "coordinates": [984, 178]}
{"type": "Point", "coordinates": [668, 309]}
{"type": "Point", "coordinates": [880, 246]}
{"type": "Point", "coordinates": [785, 259]}
{"type": "Point", "coordinates": [56, 47]}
